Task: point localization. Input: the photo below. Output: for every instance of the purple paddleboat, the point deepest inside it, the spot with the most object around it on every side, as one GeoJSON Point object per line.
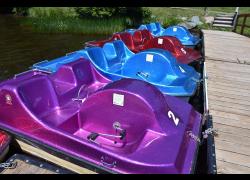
{"type": "Point", "coordinates": [127, 126]}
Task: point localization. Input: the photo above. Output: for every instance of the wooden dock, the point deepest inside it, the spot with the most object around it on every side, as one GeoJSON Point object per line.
{"type": "Point", "coordinates": [227, 57]}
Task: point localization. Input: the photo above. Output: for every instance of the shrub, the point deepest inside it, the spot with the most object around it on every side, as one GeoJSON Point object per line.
{"type": "Point", "coordinates": [20, 11]}
{"type": "Point", "coordinates": [171, 21]}
{"type": "Point", "coordinates": [133, 15]}
{"type": "Point", "coordinates": [58, 12]}
{"type": "Point", "coordinates": [96, 12]}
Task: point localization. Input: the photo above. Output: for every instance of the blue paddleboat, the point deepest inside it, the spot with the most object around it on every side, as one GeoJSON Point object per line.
{"type": "Point", "coordinates": [156, 66]}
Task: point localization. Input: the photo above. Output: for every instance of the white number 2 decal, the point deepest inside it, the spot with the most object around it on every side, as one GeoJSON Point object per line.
{"type": "Point", "coordinates": [171, 115]}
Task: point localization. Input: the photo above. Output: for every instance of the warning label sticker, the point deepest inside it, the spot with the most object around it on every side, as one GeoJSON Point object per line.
{"type": "Point", "coordinates": [118, 99]}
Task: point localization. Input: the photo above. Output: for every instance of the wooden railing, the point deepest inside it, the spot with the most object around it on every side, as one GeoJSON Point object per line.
{"type": "Point", "coordinates": [243, 25]}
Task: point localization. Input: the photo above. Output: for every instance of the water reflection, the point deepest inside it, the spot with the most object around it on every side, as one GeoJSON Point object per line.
{"type": "Point", "coordinates": [20, 47]}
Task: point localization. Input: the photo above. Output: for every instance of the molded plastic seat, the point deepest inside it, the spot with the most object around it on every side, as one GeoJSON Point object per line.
{"type": "Point", "coordinates": [50, 96]}
{"type": "Point", "coordinates": [38, 95]}
{"type": "Point", "coordinates": [127, 39]}
{"type": "Point", "coordinates": [156, 66]}
{"type": "Point", "coordinates": [143, 39]}
{"type": "Point", "coordinates": [182, 34]}
{"type": "Point", "coordinates": [183, 54]}
{"type": "Point", "coordinates": [128, 125]}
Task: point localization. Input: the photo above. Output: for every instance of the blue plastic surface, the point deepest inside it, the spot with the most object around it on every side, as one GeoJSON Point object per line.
{"type": "Point", "coordinates": [115, 61]}
{"type": "Point", "coordinates": [182, 34]}
{"type": "Point", "coordinates": [53, 65]}
{"type": "Point", "coordinates": [155, 66]}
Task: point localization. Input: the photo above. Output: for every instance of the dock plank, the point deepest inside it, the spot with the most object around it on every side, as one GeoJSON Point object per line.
{"type": "Point", "coordinates": [218, 97]}
{"type": "Point", "coordinates": [229, 146]}
{"type": "Point", "coordinates": [232, 157]}
{"type": "Point", "coordinates": [230, 168]}
{"type": "Point", "coordinates": [228, 109]}
{"type": "Point", "coordinates": [233, 138]}
{"type": "Point", "coordinates": [231, 122]}
{"type": "Point", "coordinates": [226, 46]}
{"type": "Point", "coordinates": [232, 129]}
{"type": "Point", "coordinates": [227, 59]}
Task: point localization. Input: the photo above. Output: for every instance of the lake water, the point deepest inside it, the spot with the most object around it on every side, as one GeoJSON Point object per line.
{"type": "Point", "coordinates": [20, 47]}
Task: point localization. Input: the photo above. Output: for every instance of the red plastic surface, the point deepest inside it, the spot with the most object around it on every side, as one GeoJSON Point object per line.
{"type": "Point", "coordinates": [143, 40]}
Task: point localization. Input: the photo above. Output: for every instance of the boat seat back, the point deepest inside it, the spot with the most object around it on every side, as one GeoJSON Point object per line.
{"type": "Point", "coordinates": [176, 44]}
{"type": "Point", "coordinates": [127, 39]}
{"type": "Point", "coordinates": [109, 51]}
{"type": "Point", "coordinates": [116, 36]}
{"type": "Point", "coordinates": [70, 78]}
{"type": "Point", "coordinates": [152, 67]}
{"type": "Point", "coordinates": [141, 37]}
{"type": "Point", "coordinates": [161, 42]}
{"type": "Point", "coordinates": [177, 31]}
{"type": "Point", "coordinates": [175, 41]}
{"type": "Point", "coordinates": [75, 73]}
{"type": "Point", "coordinates": [152, 27]}
{"type": "Point", "coordinates": [137, 38]}
{"type": "Point", "coordinates": [143, 26]}
{"type": "Point", "coordinates": [158, 26]}
{"type": "Point", "coordinates": [96, 117]}
{"type": "Point", "coordinates": [97, 56]}
{"type": "Point", "coordinates": [122, 50]}
{"type": "Point", "coordinates": [38, 95]}
{"type": "Point", "coordinates": [146, 34]}
{"type": "Point", "coordinates": [149, 27]}
{"type": "Point", "coordinates": [82, 72]}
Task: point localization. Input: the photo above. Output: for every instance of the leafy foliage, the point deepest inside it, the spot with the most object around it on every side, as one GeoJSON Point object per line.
{"type": "Point", "coordinates": [171, 21]}
{"type": "Point", "coordinates": [21, 11]}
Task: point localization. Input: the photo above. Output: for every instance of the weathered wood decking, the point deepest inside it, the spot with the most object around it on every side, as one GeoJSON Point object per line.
{"type": "Point", "coordinates": [228, 68]}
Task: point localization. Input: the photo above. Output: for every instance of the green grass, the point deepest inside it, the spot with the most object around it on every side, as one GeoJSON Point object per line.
{"type": "Point", "coordinates": [164, 12]}
{"type": "Point", "coordinates": [172, 16]}
{"type": "Point", "coordinates": [75, 25]}
{"type": "Point", "coordinates": [246, 30]}
{"type": "Point", "coordinates": [66, 20]}
{"type": "Point", "coordinates": [38, 12]}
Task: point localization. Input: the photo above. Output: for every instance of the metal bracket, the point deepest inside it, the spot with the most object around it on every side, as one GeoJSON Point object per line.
{"type": "Point", "coordinates": [200, 80]}
{"type": "Point", "coordinates": [10, 165]}
{"type": "Point", "coordinates": [22, 73]}
{"type": "Point", "coordinates": [42, 70]}
{"type": "Point", "coordinates": [209, 131]}
{"type": "Point", "coordinates": [78, 94]}
{"type": "Point", "coordinates": [79, 99]}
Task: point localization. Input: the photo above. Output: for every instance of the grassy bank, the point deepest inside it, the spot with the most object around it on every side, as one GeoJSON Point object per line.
{"type": "Point", "coordinates": [74, 25]}
{"type": "Point", "coordinates": [170, 16]}
{"type": "Point", "coordinates": [66, 20]}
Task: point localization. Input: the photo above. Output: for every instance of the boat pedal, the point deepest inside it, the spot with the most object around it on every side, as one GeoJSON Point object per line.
{"type": "Point", "coordinates": [92, 137]}
{"type": "Point", "coordinates": [123, 134]}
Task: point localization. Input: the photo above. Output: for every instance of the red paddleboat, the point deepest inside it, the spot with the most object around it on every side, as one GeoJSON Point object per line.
{"type": "Point", "coordinates": [4, 144]}
{"type": "Point", "coordinates": [143, 40]}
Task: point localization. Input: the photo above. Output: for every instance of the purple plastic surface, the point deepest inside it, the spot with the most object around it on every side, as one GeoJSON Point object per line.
{"type": "Point", "coordinates": [43, 107]}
